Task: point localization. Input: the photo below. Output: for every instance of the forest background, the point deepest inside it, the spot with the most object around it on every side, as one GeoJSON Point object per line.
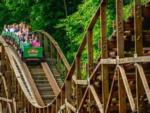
{"type": "Point", "coordinates": [65, 20]}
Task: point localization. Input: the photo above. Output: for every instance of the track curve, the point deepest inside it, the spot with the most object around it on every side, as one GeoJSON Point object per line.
{"type": "Point", "coordinates": [116, 82]}
{"type": "Point", "coordinates": [25, 76]}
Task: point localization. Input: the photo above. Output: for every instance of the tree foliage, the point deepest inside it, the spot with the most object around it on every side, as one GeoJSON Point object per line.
{"type": "Point", "coordinates": [66, 20]}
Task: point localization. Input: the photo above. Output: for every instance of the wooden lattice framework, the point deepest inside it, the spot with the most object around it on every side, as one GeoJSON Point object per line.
{"type": "Point", "coordinates": [108, 87]}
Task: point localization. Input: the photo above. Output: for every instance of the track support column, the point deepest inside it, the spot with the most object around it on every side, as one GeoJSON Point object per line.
{"type": "Point", "coordinates": [138, 47]}
{"type": "Point", "coordinates": [120, 53]}
{"type": "Point", "coordinates": [104, 54]}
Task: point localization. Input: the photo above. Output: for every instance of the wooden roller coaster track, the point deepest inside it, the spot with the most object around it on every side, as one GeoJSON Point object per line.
{"type": "Point", "coordinates": [116, 81]}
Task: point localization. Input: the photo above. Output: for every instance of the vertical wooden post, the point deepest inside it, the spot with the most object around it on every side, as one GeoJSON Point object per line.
{"type": "Point", "coordinates": [35, 110]}
{"type": "Point", "coordinates": [104, 54]}
{"type": "Point", "coordinates": [14, 105]}
{"type": "Point", "coordinates": [41, 110]}
{"type": "Point", "coordinates": [78, 77]}
{"type": "Point", "coordinates": [68, 91]}
{"type": "Point", "coordinates": [1, 110]}
{"type": "Point", "coordinates": [138, 47]}
{"type": "Point", "coordinates": [58, 103]}
{"type": "Point", "coordinates": [48, 110]}
{"type": "Point", "coordinates": [138, 27]}
{"type": "Point", "coordinates": [90, 52]}
{"type": "Point", "coordinates": [32, 109]}
{"type": "Point", "coordinates": [52, 109]}
{"type": "Point", "coordinates": [63, 94]}
{"type": "Point", "coordinates": [120, 53]}
{"type": "Point", "coordinates": [29, 108]}
{"type": "Point", "coordinates": [90, 61]}
{"type": "Point", "coordinates": [45, 110]}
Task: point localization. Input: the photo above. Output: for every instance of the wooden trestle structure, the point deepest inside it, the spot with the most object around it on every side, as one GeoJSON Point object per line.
{"type": "Point", "coordinates": [117, 81]}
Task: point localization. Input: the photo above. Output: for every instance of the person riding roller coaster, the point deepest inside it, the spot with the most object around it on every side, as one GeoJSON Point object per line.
{"type": "Point", "coordinates": [27, 43]}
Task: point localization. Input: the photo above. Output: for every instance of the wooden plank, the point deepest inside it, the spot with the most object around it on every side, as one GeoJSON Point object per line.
{"type": "Point", "coordinates": [5, 99]}
{"type": "Point", "coordinates": [111, 93]}
{"type": "Point", "coordinates": [138, 46]}
{"type": "Point", "coordinates": [41, 110]}
{"type": "Point", "coordinates": [58, 102]}
{"type": "Point", "coordinates": [48, 109]}
{"type": "Point", "coordinates": [90, 60]}
{"type": "Point", "coordinates": [120, 53]}
{"type": "Point", "coordinates": [33, 86]}
{"type": "Point", "coordinates": [67, 91]}
{"type": "Point", "coordinates": [14, 105]}
{"type": "Point", "coordinates": [70, 106]}
{"type": "Point", "coordinates": [99, 104]}
{"type": "Point", "coordinates": [50, 78]}
{"type": "Point", "coordinates": [72, 70]}
{"type": "Point", "coordinates": [138, 27]}
{"type": "Point", "coordinates": [83, 99]}
{"type": "Point", "coordinates": [138, 59]}
{"type": "Point", "coordinates": [81, 82]}
{"type": "Point", "coordinates": [1, 109]}
{"type": "Point", "coordinates": [122, 95]}
{"type": "Point", "coordinates": [5, 86]}
{"type": "Point", "coordinates": [78, 89]}
{"type": "Point", "coordinates": [104, 54]}
{"type": "Point", "coordinates": [90, 52]}
{"type": "Point", "coordinates": [120, 31]}
{"type": "Point", "coordinates": [61, 108]}
{"type": "Point", "coordinates": [144, 80]}
{"type": "Point", "coordinates": [127, 88]}
{"type": "Point", "coordinates": [13, 58]}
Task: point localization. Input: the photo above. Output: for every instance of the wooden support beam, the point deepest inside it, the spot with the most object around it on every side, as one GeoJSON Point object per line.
{"type": "Point", "coordinates": [122, 95]}
{"type": "Point", "coordinates": [79, 82]}
{"type": "Point", "coordinates": [58, 103]}
{"type": "Point", "coordinates": [144, 80]}
{"type": "Point", "coordinates": [96, 98]}
{"type": "Point", "coordinates": [48, 109]}
{"type": "Point", "coordinates": [127, 87]}
{"type": "Point", "coordinates": [78, 76]}
{"type": "Point", "coordinates": [111, 93]}
{"type": "Point", "coordinates": [70, 106]}
{"type": "Point", "coordinates": [1, 109]}
{"type": "Point", "coordinates": [138, 47]}
{"type": "Point", "coordinates": [104, 54]}
{"type": "Point", "coordinates": [120, 30]}
{"type": "Point", "coordinates": [51, 79]}
{"type": "Point", "coordinates": [138, 27]}
{"type": "Point", "coordinates": [68, 91]}
{"type": "Point", "coordinates": [90, 52]}
{"type": "Point", "coordinates": [5, 99]}
{"type": "Point", "coordinates": [29, 108]}
{"type": "Point", "coordinates": [90, 60]}
{"type": "Point", "coordinates": [14, 105]}
{"type": "Point", "coordinates": [33, 86]}
{"type": "Point", "coordinates": [120, 53]}
{"type": "Point", "coordinates": [41, 110]}
{"type": "Point", "coordinates": [83, 99]}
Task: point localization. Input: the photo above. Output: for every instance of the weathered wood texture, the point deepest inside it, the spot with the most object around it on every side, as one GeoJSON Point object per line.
{"type": "Point", "coordinates": [116, 82]}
